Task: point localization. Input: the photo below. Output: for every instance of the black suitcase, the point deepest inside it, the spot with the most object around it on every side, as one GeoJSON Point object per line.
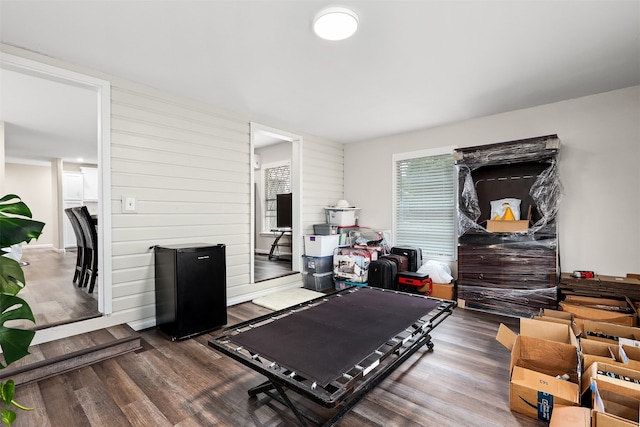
{"type": "Point", "coordinates": [382, 274]}
{"type": "Point", "coordinates": [402, 262]}
{"type": "Point", "coordinates": [413, 254]}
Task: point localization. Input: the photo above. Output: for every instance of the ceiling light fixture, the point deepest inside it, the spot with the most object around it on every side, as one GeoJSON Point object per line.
{"type": "Point", "coordinates": [335, 23]}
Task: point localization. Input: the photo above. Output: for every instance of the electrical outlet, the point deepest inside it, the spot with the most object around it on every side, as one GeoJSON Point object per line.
{"type": "Point", "coordinates": [128, 204]}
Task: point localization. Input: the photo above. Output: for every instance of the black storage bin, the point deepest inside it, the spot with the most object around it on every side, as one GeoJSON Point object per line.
{"type": "Point", "coordinates": [191, 289]}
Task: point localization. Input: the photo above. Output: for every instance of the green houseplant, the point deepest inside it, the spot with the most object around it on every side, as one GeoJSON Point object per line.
{"type": "Point", "coordinates": [16, 226]}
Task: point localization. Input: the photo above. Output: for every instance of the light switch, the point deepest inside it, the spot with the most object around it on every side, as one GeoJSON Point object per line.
{"type": "Point", "coordinates": [128, 204]}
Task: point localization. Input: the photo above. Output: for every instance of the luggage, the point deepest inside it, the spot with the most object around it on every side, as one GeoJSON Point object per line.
{"type": "Point", "coordinates": [352, 264]}
{"type": "Point", "coordinates": [413, 254]}
{"type": "Point", "coordinates": [415, 282]}
{"type": "Point", "coordinates": [382, 274]}
{"type": "Point", "coordinates": [401, 261]}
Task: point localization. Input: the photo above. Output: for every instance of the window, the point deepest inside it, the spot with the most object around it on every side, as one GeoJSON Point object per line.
{"type": "Point", "coordinates": [276, 180]}
{"type": "Point", "coordinates": [424, 206]}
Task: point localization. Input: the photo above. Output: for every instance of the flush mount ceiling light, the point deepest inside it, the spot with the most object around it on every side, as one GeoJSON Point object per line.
{"type": "Point", "coordinates": [335, 23]}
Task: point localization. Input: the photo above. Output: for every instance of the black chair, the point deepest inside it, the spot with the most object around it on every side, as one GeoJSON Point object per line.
{"type": "Point", "coordinates": [91, 246]}
{"type": "Point", "coordinates": [80, 271]}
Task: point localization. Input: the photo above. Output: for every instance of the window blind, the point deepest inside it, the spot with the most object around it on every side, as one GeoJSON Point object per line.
{"type": "Point", "coordinates": [425, 205]}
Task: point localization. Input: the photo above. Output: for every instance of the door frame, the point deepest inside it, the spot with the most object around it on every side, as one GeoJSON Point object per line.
{"type": "Point", "coordinates": [296, 190]}
{"type": "Point", "coordinates": [102, 89]}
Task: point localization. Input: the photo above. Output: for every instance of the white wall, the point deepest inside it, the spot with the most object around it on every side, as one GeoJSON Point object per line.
{"type": "Point", "coordinates": [599, 226]}
{"type": "Point", "coordinates": [188, 165]}
{"type": "Point", "coordinates": [32, 183]}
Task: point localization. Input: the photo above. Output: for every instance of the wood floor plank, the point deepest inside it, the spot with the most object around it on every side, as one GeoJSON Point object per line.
{"type": "Point", "coordinates": [462, 382]}
{"type": "Point", "coordinates": [60, 403]}
{"type": "Point", "coordinates": [144, 413]}
{"type": "Point", "coordinates": [97, 401]}
{"type": "Point", "coordinates": [117, 383]}
{"type": "Point", "coordinates": [31, 397]}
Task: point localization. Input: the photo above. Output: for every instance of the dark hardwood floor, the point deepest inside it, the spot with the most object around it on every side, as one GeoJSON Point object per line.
{"type": "Point", "coordinates": [49, 290]}
{"type": "Point", "coordinates": [462, 382]}
{"type": "Point", "coordinates": [265, 269]}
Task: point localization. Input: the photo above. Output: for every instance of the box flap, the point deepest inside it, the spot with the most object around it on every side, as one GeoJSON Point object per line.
{"type": "Point", "coordinates": [557, 332]}
{"type": "Point", "coordinates": [548, 312]}
{"type": "Point", "coordinates": [570, 416]}
{"type": "Point", "coordinates": [506, 336]}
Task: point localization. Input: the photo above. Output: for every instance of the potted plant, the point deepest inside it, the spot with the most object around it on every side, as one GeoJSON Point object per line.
{"type": "Point", "coordinates": [16, 227]}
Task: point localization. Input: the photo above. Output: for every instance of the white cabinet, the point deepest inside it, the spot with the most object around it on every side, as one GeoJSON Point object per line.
{"type": "Point", "coordinates": [90, 183]}
{"type": "Point", "coordinates": [72, 186]}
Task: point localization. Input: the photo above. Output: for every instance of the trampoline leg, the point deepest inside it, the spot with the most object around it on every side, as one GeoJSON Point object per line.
{"type": "Point", "coordinates": [267, 388]}
{"type": "Point", "coordinates": [262, 388]}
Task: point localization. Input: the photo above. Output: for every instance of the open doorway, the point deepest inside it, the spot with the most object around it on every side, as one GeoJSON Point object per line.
{"type": "Point", "coordinates": [40, 138]}
{"type": "Point", "coordinates": [276, 195]}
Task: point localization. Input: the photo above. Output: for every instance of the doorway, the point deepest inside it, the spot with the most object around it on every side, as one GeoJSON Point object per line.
{"type": "Point", "coordinates": [38, 78]}
{"type": "Point", "coordinates": [276, 251]}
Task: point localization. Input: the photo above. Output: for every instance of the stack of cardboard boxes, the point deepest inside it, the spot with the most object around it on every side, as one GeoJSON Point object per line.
{"type": "Point", "coordinates": [574, 372]}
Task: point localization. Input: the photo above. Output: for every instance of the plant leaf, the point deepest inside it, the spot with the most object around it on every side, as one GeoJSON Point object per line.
{"type": "Point", "coordinates": [8, 416]}
{"type": "Point", "coordinates": [12, 204]}
{"type": "Point", "coordinates": [14, 342]}
{"type": "Point", "coordinates": [14, 230]}
{"type": "Point", "coordinates": [16, 225]}
{"type": "Point", "coordinates": [11, 276]}
{"type": "Point", "coordinates": [7, 390]}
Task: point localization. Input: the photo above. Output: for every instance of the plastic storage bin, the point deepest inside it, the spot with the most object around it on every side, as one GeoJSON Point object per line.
{"type": "Point", "coordinates": [343, 217]}
{"type": "Point", "coordinates": [315, 245]}
{"type": "Point", "coordinates": [317, 282]}
{"type": "Point", "coordinates": [325, 229]}
{"type": "Point", "coordinates": [318, 264]}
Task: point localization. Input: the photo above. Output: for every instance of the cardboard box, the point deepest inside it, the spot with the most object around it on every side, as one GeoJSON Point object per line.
{"type": "Point", "coordinates": [317, 245]}
{"type": "Point", "coordinates": [611, 373]}
{"type": "Point", "coordinates": [557, 332]}
{"type": "Point", "coordinates": [570, 416]}
{"type": "Point", "coordinates": [607, 332]}
{"type": "Point", "coordinates": [614, 404]}
{"type": "Point", "coordinates": [541, 353]}
{"type": "Point", "coordinates": [442, 290]}
{"type": "Point", "coordinates": [597, 351]}
{"type": "Point", "coordinates": [599, 419]}
{"type": "Point", "coordinates": [591, 313]}
{"type": "Point", "coordinates": [599, 315]}
{"type": "Point", "coordinates": [535, 394]}
{"type": "Point", "coordinates": [520, 226]}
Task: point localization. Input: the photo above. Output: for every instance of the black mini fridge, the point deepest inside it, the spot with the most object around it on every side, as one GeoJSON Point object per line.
{"type": "Point", "coordinates": [191, 289]}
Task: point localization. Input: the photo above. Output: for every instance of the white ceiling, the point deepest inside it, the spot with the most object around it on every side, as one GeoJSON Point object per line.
{"type": "Point", "coordinates": [412, 64]}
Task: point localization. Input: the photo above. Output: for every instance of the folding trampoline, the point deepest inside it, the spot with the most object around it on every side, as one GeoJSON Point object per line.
{"type": "Point", "coordinates": [334, 349]}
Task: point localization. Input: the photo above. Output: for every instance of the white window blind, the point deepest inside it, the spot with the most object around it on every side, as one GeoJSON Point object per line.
{"type": "Point", "coordinates": [425, 208]}
{"type": "Point", "coordinates": [277, 180]}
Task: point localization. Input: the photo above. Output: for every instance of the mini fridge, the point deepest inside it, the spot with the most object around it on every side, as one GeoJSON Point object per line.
{"type": "Point", "coordinates": [191, 289]}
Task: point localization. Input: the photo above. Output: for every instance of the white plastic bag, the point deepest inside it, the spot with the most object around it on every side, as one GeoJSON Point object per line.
{"type": "Point", "coordinates": [437, 271]}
